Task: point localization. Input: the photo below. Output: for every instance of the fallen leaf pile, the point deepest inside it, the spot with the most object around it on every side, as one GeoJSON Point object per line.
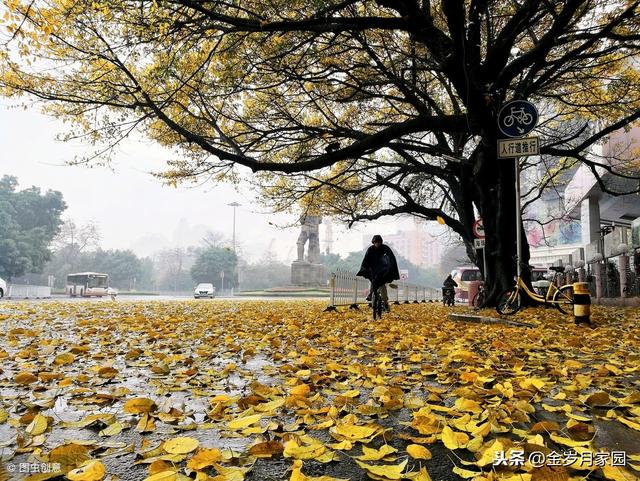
{"type": "Point", "coordinates": [228, 391]}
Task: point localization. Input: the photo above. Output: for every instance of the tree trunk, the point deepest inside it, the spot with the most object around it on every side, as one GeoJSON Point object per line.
{"type": "Point", "coordinates": [496, 202]}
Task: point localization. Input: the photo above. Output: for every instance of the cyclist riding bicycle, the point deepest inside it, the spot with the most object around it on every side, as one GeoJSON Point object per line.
{"type": "Point", "coordinates": [448, 291]}
{"type": "Point", "coordinates": [380, 267]}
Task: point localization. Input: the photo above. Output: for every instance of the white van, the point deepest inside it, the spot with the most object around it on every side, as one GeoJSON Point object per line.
{"type": "Point", "coordinates": [3, 288]}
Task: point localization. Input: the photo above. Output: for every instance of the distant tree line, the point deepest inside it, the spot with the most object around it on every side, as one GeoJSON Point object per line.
{"type": "Point", "coordinates": [35, 243]}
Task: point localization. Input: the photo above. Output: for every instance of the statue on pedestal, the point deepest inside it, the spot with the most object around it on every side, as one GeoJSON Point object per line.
{"type": "Point", "coordinates": [309, 231]}
{"type": "Point", "coordinates": [307, 270]}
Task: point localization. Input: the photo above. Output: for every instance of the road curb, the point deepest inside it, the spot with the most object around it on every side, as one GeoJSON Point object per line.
{"type": "Point", "coordinates": [488, 320]}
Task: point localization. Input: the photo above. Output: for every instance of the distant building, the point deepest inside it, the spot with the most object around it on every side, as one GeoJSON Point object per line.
{"type": "Point", "coordinates": [587, 208]}
{"type": "Point", "coordinates": [416, 245]}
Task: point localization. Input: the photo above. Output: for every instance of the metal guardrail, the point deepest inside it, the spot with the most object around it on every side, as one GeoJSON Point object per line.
{"type": "Point", "coordinates": [18, 291]}
{"type": "Point", "coordinates": [347, 289]}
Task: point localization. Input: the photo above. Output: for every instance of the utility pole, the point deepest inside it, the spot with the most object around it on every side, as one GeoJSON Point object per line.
{"type": "Point", "coordinates": [234, 205]}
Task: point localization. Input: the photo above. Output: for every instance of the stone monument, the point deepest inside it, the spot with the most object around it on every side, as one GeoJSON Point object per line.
{"type": "Point", "coordinates": [307, 270]}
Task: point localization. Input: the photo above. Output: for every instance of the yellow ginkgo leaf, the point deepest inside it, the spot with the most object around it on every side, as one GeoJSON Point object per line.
{"type": "Point", "coordinates": [92, 470]}
{"type": "Point", "coordinates": [70, 454]}
{"type": "Point", "coordinates": [616, 474]}
{"type": "Point", "coordinates": [388, 471]}
{"type": "Point", "coordinates": [370, 454]}
{"type": "Point", "coordinates": [38, 425]}
{"type": "Point", "coordinates": [532, 382]}
{"type": "Point", "coordinates": [112, 429]}
{"type": "Point", "coordinates": [353, 432]}
{"type": "Point", "coordinates": [453, 440]}
{"type": "Point", "coordinates": [180, 445]}
{"type": "Point", "coordinates": [466, 473]}
{"type": "Point", "coordinates": [204, 458]}
{"type": "Point", "coordinates": [307, 451]}
{"type": "Point", "coordinates": [244, 422]}
{"type": "Point", "coordinates": [64, 359]}
{"type": "Point", "coordinates": [489, 454]}
{"type": "Point", "coordinates": [421, 475]}
{"type": "Point", "coordinates": [300, 390]}
{"type": "Point", "coordinates": [139, 405]}
{"type": "Point", "coordinates": [298, 475]}
{"type": "Point", "coordinates": [568, 442]}
{"type": "Point", "coordinates": [418, 452]}
{"type": "Point", "coordinates": [266, 449]}
{"type": "Point", "coordinates": [25, 378]}
{"type": "Point", "coordinates": [168, 475]}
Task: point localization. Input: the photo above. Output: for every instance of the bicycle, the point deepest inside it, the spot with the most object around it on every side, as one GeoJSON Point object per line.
{"type": "Point", "coordinates": [478, 299]}
{"type": "Point", "coordinates": [448, 296]}
{"type": "Point", "coordinates": [510, 301]}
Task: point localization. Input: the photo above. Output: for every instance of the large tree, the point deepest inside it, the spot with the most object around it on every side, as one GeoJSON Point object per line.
{"type": "Point", "coordinates": [29, 220]}
{"type": "Point", "coordinates": [371, 107]}
{"type": "Point", "coordinates": [211, 263]}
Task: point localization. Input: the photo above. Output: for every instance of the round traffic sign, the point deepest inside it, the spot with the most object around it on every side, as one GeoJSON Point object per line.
{"type": "Point", "coordinates": [478, 229]}
{"type": "Point", "coordinates": [517, 118]}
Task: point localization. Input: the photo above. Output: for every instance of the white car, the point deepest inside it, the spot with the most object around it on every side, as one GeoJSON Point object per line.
{"type": "Point", "coordinates": [3, 288]}
{"type": "Point", "coordinates": [204, 290]}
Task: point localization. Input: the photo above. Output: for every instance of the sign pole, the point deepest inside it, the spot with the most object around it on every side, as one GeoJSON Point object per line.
{"type": "Point", "coordinates": [518, 221]}
{"type": "Point", "coordinates": [484, 261]}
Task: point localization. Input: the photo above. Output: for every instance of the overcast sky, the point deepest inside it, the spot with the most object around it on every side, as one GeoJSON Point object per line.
{"type": "Point", "coordinates": [134, 210]}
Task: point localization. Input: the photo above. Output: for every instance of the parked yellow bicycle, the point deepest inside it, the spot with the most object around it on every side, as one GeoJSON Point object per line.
{"type": "Point", "coordinates": [510, 301]}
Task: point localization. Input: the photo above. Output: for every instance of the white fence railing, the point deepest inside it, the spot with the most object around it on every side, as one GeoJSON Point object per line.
{"type": "Point", "coordinates": [18, 291]}
{"type": "Point", "coordinates": [347, 289]}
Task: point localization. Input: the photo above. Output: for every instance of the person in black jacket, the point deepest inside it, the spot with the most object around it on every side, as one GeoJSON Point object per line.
{"type": "Point", "coordinates": [380, 267]}
{"type": "Point", "coordinates": [448, 291]}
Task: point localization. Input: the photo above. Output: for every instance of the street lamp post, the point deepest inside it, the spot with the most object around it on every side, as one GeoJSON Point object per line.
{"type": "Point", "coordinates": [234, 205]}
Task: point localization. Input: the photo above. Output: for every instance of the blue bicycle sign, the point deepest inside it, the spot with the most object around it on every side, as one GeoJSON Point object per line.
{"type": "Point", "coordinates": [517, 118]}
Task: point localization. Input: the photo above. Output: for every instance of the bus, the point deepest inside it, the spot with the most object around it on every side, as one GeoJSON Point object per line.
{"type": "Point", "coordinates": [87, 284]}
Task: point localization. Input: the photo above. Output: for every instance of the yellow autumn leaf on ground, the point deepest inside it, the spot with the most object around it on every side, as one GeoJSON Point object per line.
{"type": "Point", "coordinates": [92, 470]}
{"type": "Point", "coordinates": [4, 415]}
{"type": "Point", "coordinates": [534, 382]}
{"type": "Point", "coordinates": [452, 439]}
{"type": "Point", "coordinates": [370, 454]}
{"type": "Point", "coordinates": [38, 425]}
{"type": "Point", "coordinates": [515, 477]}
{"type": "Point", "coordinates": [308, 451]}
{"type": "Point", "coordinates": [230, 473]}
{"type": "Point", "coordinates": [568, 441]}
{"type": "Point", "coordinates": [629, 423]}
{"type": "Point", "coordinates": [180, 445]}
{"type": "Point", "coordinates": [168, 475]}
{"type": "Point", "coordinates": [70, 454]}
{"type": "Point", "coordinates": [388, 471]}
{"type": "Point", "coordinates": [616, 473]}
{"type": "Point", "coordinates": [469, 405]}
{"type": "Point", "coordinates": [64, 359]}
{"type": "Point", "coordinates": [204, 458]}
{"type": "Point", "coordinates": [266, 449]}
{"type": "Point", "coordinates": [300, 390]}
{"type": "Point", "coordinates": [297, 475]}
{"type": "Point", "coordinates": [466, 473]}
{"type": "Point", "coordinates": [353, 432]}
{"type": "Point", "coordinates": [489, 454]}
{"type": "Point", "coordinates": [139, 405]}
{"type": "Point", "coordinates": [421, 475]}
{"type": "Point", "coordinates": [25, 378]}
{"type": "Point", "coordinates": [418, 452]}
{"type": "Point", "coordinates": [240, 423]}
{"type": "Point", "coordinates": [598, 399]}
{"type": "Point", "coordinates": [112, 430]}
{"type": "Point", "coordinates": [146, 424]}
